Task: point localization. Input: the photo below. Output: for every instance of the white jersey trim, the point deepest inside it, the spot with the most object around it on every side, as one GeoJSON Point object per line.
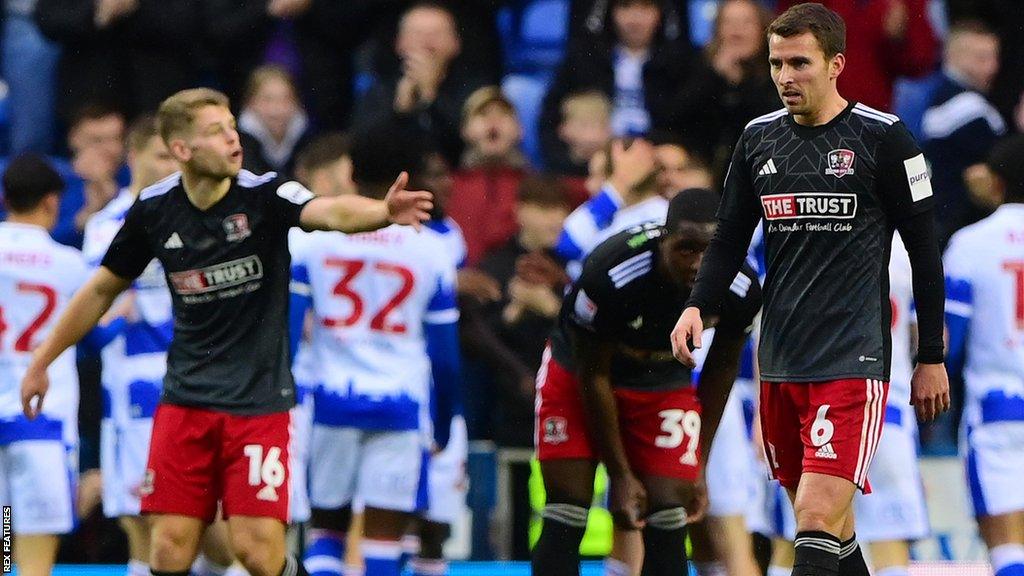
{"type": "Point", "coordinates": [247, 179]}
{"type": "Point", "coordinates": [160, 188]}
{"type": "Point", "coordinates": [942, 120]}
{"type": "Point", "coordinates": [766, 118]}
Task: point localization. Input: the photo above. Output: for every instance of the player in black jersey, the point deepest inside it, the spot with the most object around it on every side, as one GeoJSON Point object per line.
{"type": "Point", "coordinates": [831, 180]}
{"type": "Point", "coordinates": [221, 431]}
{"type": "Point", "coordinates": [609, 390]}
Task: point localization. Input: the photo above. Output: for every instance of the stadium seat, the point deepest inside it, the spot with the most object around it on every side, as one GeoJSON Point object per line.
{"type": "Point", "coordinates": [534, 33]}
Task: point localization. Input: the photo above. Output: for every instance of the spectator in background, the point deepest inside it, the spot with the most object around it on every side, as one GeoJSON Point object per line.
{"type": "Point", "coordinates": [590, 19]}
{"type": "Point", "coordinates": [428, 92]}
{"type": "Point", "coordinates": [129, 53]}
{"type": "Point", "coordinates": [96, 140]}
{"type": "Point", "coordinates": [650, 81]}
{"type": "Point", "coordinates": [629, 196]}
{"type": "Point", "coordinates": [679, 169]}
{"type": "Point", "coordinates": [890, 38]}
{"type": "Point", "coordinates": [326, 164]}
{"type": "Point", "coordinates": [272, 125]}
{"type": "Point", "coordinates": [960, 126]}
{"type": "Point", "coordinates": [484, 190]}
{"type": "Point", "coordinates": [235, 34]}
{"type": "Point", "coordinates": [28, 64]}
{"type": "Point", "coordinates": [584, 130]}
{"type": "Point", "coordinates": [738, 56]}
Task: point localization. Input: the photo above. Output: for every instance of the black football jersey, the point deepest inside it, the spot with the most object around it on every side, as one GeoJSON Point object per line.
{"type": "Point", "coordinates": [228, 270]}
{"type": "Point", "coordinates": [624, 299]}
{"type": "Point", "coordinates": [830, 197]}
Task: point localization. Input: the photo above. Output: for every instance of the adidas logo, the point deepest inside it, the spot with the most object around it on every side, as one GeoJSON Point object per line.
{"type": "Point", "coordinates": [174, 242]}
{"type": "Point", "coordinates": [826, 452]}
{"type": "Point", "coordinates": [768, 168]}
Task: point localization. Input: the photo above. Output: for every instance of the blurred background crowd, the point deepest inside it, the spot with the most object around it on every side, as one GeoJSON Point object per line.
{"type": "Point", "coordinates": [516, 102]}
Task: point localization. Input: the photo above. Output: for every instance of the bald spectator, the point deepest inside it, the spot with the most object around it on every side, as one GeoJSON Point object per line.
{"type": "Point", "coordinates": [889, 39]}
{"type": "Point", "coordinates": [960, 125]}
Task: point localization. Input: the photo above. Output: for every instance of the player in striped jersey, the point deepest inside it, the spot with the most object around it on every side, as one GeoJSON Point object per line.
{"type": "Point", "coordinates": [985, 316]}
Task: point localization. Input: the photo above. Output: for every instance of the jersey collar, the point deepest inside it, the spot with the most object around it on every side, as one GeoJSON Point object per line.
{"type": "Point", "coordinates": [809, 132]}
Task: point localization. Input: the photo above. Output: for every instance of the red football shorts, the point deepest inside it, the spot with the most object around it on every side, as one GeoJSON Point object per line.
{"type": "Point", "coordinates": [199, 457]}
{"type": "Point", "coordinates": [660, 430]}
{"type": "Point", "coordinates": [825, 427]}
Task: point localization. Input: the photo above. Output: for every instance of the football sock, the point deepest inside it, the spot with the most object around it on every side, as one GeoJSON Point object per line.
{"type": "Point", "coordinates": [780, 570]}
{"type": "Point", "coordinates": [137, 568]}
{"type": "Point", "coordinates": [164, 573]}
{"type": "Point", "coordinates": [851, 559]}
{"type": "Point", "coordinates": [381, 557]}
{"type": "Point", "coordinates": [557, 552]}
{"type": "Point", "coordinates": [1007, 560]}
{"type": "Point", "coordinates": [665, 543]}
{"type": "Point", "coordinates": [816, 554]}
{"type": "Point", "coordinates": [615, 567]}
{"type": "Point", "coordinates": [324, 553]}
{"type": "Point", "coordinates": [410, 548]}
{"type": "Point", "coordinates": [429, 567]}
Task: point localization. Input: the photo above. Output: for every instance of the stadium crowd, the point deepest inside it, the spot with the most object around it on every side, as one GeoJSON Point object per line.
{"type": "Point", "coordinates": [540, 127]}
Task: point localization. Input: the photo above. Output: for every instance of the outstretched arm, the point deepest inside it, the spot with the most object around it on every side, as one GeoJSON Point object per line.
{"type": "Point", "coordinates": [82, 314]}
{"type": "Point", "coordinates": [360, 214]}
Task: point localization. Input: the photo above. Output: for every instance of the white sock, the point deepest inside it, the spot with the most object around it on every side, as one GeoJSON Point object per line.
{"type": "Point", "coordinates": [710, 568]}
{"type": "Point", "coordinates": [350, 570]}
{"type": "Point", "coordinates": [614, 567]}
{"type": "Point", "coordinates": [236, 569]}
{"type": "Point", "coordinates": [1005, 555]}
{"type": "Point", "coordinates": [779, 570]}
{"type": "Point", "coordinates": [138, 568]}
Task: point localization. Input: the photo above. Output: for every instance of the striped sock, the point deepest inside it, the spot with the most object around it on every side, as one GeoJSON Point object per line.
{"type": "Point", "coordinates": [893, 571]}
{"type": "Point", "coordinates": [324, 553]}
{"type": "Point", "coordinates": [203, 567]}
{"type": "Point", "coordinates": [816, 554]}
{"type": "Point", "coordinates": [851, 559]}
{"type": "Point", "coordinates": [712, 569]}
{"type": "Point", "coordinates": [774, 570]}
{"type": "Point", "coordinates": [1007, 560]}
{"type": "Point", "coordinates": [381, 557]}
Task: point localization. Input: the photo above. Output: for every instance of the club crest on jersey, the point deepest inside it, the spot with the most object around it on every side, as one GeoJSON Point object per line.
{"type": "Point", "coordinates": [840, 162]}
{"type": "Point", "coordinates": [236, 228]}
{"type": "Point", "coordinates": [556, 430]}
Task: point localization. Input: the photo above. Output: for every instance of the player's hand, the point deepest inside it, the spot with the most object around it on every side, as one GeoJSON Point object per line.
{"type": "Point", "coordinates": [929, 391]}
{"type": "Point", "coordinates": [627, 501]}
{"type": "Point", "coordinates": [896, 20]}
{"type": "Point", "coordinates": [34, 387]}
{"type": "Point", "coordinates": [632, 166]}
{"type": "Point", "coordinates": [698, 505]}
{"type": "Point", "coordinates": [479, 285]}
{"type": "Point", "coordinates": [409, 207]}
{"type": "Point", "coordinates": [287, 8]}
{"type": "Point", "coordinates": [538, 268]}
{"type": "Point", "coordinates": [690, 326]}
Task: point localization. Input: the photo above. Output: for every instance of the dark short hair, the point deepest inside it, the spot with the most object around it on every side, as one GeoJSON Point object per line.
{"type": "Point", "coordinates": [380, 152]}
{"type": "Point", "coordinates": [826, 26]}
{"type": "Point", "coordinates": [29, 179]}
{"type": "Point", "coordinates": [626, 3]}
{"type": "Point", "coordinates": [141, 131]}
{"type": "Point", "coordinates": [544, 191]}
{"type": "Point", "coordinates": [1006, 160]}
{"type": "Point", "coordinates": [696, 205]}
{"type": "Point", "coordinates": [323, 150]}
{"type": "Point", "coordinates": [92, 111]}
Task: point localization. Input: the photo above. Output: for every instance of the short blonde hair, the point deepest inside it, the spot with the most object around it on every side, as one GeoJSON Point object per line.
{"type": "Point", "coordinates": [591, 105]}
{"type": "Point", "coordinates": [264, 74]}
{"type": "Point", "coordinates": [177, 113]}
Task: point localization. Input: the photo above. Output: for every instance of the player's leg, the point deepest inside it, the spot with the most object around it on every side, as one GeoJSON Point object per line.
{"type": "Point", "coordinates": [136, 528]}
{"type": "Point", "coordinates": [174, 542]}
{"type": "Point", "coordinates": [894, 514]}
{"type": "Point", "coordinates": [333, 472]}
{"type": "Point", "coordinates": [447, 485]}
{"type": "Point", "coordinates": [568, 464]}
{"type": "Point", "coordinates": [995, 465]}
{"type": "Point", "coordinates": [1004, 536]}
{"type": "Point", "coordinates": [664, 531]}
{"type": "Point", "coordinates": [722, 545]}
{"type": "Point", "coordinates": [841, 424]}
{"type": "Point", "coordinates": [393, 486]}
{"type": "Point", "coordinates": [429, 559]}
{"type": "Point", "coordinates": [783, 555]}
{"type": "Point", "coordinates": [256, 494]}
{"type": "Point", "coordinates": [627, 555]}
{"type": "Point", "coordinates": [41, 482]}
{"type": "Point", "coordinates": [215, 558]}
